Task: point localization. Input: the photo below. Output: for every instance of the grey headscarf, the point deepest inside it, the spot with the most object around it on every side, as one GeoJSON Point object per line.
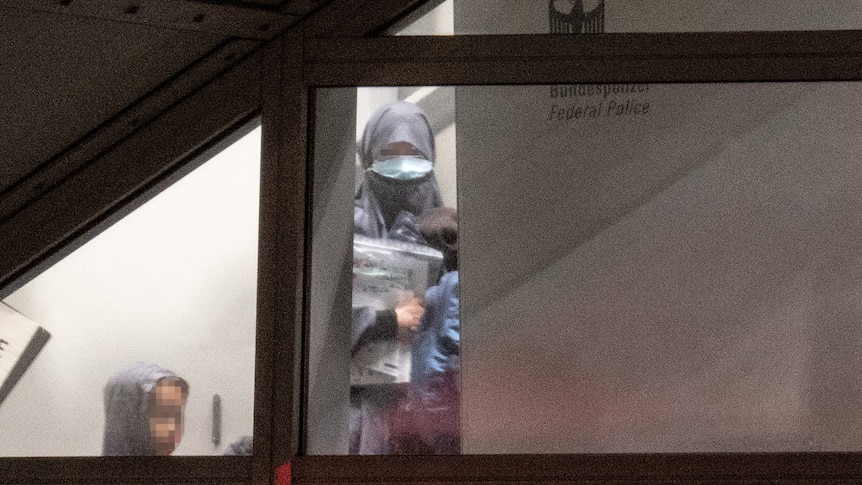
{"type": "Point", "coordinates": [394, 122]}
{"type": "Point", "coordinates": [380, 200]}
{"type": "Point", "coordinates": [127, 409]}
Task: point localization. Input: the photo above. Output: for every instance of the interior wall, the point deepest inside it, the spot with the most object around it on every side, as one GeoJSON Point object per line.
{"type": "Point", "coordinates": [531, 17]}
{"type": "Point", "coordinates": [436, 22]}
{"type": "Point", "coordinates": [681, 280]}
{"type": "Point", "coordinates": [727, 16]}
{"type": "Point", "coordinates": [173, 283]}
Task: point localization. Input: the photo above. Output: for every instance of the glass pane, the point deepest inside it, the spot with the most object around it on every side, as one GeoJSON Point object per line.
{"type": "Point", "coordinates": [643, 268]}
{"type": "Point", "coordinates": [375, 359]}
{"type": "Point", "coordinates": [172, 285]}
{"type": "Point", "coordinates": [476, 17]}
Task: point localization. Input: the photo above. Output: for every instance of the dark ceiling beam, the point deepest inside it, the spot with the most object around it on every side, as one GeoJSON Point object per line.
{"type": "Point", "coordinates": [67, 214]}
{"type": "Point", "coordinates": [242, 21]}
{"type": "Point", "coordinates": [351, 18]}
{"type": "Point", "coordinates": [114, 130]}
{"type": "Point", "coordinates": [297, 7]}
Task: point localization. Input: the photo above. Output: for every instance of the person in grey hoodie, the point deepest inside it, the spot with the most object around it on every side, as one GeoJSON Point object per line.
{"type": "Point", "coordinates": [144, 407]}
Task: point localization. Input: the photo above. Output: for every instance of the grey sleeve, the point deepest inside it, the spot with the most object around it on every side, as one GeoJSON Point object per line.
{"type": "Point", "coordinates": [369, 325]}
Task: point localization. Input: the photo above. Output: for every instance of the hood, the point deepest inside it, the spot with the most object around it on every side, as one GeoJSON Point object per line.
{"type": "Point", "coordinates": [127, 403]}
{"type": "Point", "coordinates": [394, 122]}
{"type": "Point", "coordinates": [379, 200]}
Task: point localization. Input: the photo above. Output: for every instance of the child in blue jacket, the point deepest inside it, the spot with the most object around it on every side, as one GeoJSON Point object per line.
{"type": "Point", "coordinates": [430, 420]}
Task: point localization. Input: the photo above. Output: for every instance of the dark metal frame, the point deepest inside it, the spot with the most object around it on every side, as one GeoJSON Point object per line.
{"type": "Point", "coordinates": [278, 82]}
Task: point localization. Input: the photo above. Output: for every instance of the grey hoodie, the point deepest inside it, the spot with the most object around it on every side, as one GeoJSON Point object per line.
{"type": "Point", "coordinates": [127, 409]}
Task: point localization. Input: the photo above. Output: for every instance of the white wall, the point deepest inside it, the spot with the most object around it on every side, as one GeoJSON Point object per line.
{"type": "Point", "coordinates": [531, 16]}
{"type": "Point", "coordinates": [172, 283]}
{"type": "Point", "coordinates": [439, 21]}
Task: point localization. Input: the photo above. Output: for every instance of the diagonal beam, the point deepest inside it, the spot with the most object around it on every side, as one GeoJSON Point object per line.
{"type": "Point", "coordinates": [75, 209]}
{"type": "Point", "coordinates": [114, 130]}
{"type": "Point", "coordinates": [229, 20]}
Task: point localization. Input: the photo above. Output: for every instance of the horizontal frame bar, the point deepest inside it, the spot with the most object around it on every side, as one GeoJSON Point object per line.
{"type": "Point", "coordinates": [636, 468]}
{"type": "Point", "coordinates": [119, 469]}
{"type": "Point", "coordinates": [546, 59]}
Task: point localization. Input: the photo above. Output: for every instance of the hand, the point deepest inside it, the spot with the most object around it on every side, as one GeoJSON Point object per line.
{"type": "Point", "coordinates": [409, 313]}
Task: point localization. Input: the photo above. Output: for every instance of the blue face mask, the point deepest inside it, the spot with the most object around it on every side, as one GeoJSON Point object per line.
{"type": "Point", "coordinates": [403, 167]}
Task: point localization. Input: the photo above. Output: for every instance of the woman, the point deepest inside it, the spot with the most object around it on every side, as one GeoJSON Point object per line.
{"type": "Point", "coordinates": [398, 187]}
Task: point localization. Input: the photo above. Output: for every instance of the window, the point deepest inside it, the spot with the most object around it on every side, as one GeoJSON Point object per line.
{"type": "Point", "coordinates": [517, 61]}
{"type": "Point", "coordinates": [173, 283]}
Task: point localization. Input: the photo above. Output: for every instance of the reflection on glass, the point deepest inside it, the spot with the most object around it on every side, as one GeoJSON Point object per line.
{"type": "Point", "coordinates": [643, 268]}
{"type": "Point", "coordinates": [477, 17]}
{"type": "Point", "coordinates": [172, 283]}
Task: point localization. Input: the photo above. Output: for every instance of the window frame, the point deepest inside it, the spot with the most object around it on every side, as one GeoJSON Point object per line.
{"type": "Point", "coordinates": [550, 59]}
{"type": "Point", "coordinates": [281, 81]}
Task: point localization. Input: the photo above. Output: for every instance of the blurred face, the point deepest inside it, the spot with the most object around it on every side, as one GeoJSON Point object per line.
{"type": "Point", "coordinates": [166, 416]}
{"type": "Point", "coordinates": [398, 149]}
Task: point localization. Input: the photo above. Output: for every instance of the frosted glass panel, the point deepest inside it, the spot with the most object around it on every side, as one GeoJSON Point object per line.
{"type": "Point", "coordinates": [660, 268]}
{"type": "Point", "coordinates": [476, 17]}
{"type": "Point", "coordinates": [643, 267]}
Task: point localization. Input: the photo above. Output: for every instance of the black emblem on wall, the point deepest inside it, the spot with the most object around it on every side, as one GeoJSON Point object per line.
{"type": "Point", "coordinates": [576, 21]}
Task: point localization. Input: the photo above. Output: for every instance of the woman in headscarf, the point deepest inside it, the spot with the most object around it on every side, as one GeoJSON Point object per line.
{"type": "Point", "coordinates": [398, 187]}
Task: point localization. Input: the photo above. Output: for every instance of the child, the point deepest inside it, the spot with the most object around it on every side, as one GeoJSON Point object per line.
{"type": "Point", "coordinates": [429, 422]}
{"type": "Point", "coordinates": [144, 407]}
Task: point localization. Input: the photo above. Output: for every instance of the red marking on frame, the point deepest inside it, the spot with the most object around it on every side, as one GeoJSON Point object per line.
{"type": "Point", "coordinates": [282, 474]}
